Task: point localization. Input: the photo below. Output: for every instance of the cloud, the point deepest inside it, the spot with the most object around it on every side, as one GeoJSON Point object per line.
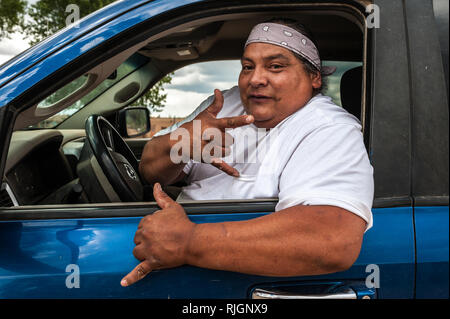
{"type": "Point", "coordinates": [9, 48]}
{"type": "Point", "coordinates": [207, 76]}
{"type": "Point", "coordinates": [181, 103]}
{"type": "Point", "coordinates": [192, 84]}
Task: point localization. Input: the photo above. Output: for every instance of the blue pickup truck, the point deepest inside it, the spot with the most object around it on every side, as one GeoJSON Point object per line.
{"type": "Point", "coordinates": [68, 214]}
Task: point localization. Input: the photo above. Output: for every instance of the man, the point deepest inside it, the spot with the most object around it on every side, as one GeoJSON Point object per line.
{"type": "Point", "coordinates": [318, 168]}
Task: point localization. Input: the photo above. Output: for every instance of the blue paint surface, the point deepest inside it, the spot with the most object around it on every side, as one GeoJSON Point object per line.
{"type": "Point", "coordinates": [432, 226]}
{"type": "Point", "coordinates": [34, 256]}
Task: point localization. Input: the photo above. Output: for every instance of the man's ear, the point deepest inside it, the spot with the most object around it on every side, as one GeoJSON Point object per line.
{"type": "Point", "coordinates": [316, 80]}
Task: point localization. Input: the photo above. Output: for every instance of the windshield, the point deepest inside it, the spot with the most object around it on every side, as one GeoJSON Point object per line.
{"type": "Point", "coordinates": [129, 66]}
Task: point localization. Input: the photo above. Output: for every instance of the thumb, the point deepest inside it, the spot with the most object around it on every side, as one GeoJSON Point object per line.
{"type": "Point", "coordinates": [217, 104]}
{"type": "Point", "coordinates": [162, 199]}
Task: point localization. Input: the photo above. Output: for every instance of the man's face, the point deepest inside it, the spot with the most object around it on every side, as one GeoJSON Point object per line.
{"type": "Point", "coordinates": [273, 83]}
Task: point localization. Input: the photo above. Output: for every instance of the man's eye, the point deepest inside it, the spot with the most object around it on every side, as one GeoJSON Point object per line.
{"type": "Point", "coordinates": [246, 67]}
{"type": "Point", "coordinates": [276, 66]}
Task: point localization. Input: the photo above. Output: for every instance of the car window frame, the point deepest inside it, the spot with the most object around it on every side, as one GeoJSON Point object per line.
{"type": "Point", "coordinates": [356, 10]}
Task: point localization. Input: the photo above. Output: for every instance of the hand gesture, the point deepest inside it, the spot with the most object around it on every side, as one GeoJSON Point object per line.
{"type": "Point", "coordinates": [161, 239]}
{"type": "Point", "coordinates": [208, 139]}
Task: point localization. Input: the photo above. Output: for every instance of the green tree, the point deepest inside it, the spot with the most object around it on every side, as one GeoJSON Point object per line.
{"type": "Point", "coordinates": [48, 16]}
{"type": "Point", "coordinates": [155, 99]}
{"type": "Point", "coordinates": [11, 14]}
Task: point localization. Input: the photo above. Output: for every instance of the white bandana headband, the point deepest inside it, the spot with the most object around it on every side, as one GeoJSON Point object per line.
{"type": "Point", "coordinates": [286, 37]}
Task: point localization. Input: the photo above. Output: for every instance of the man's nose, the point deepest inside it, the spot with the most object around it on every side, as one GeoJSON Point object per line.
{"type": "Point", "coordinates": [258, 77]}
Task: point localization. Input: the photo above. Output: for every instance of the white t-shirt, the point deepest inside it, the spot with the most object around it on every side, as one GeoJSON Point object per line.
{"type": "Point", "coordinates": [316, 156]}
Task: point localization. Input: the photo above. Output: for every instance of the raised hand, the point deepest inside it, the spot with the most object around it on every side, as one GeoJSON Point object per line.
{"type": "Point", "coordinates": [161, 239]}
{"type": "Point", "coordinates": [211, 141]}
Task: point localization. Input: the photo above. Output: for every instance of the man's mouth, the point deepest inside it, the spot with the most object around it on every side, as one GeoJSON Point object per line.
{"type": "Point", "coordinates": [259, 98]}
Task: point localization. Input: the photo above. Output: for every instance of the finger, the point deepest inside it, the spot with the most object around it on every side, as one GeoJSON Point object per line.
{"type": "Point", "coordinates": [141, 270]}
{"type": "Point", "coordinates": [217, 104]}
{"type": "Point", "coordinates": [141, 223]}
{"type": "Point", "coordinates": [139, 253]}
{"type": "Point", "coordinates": [224, 167]}
{"type": "Point", "coordinates": [226, 139]}
{"type": "Point", "coordinates": [210, 153]}
{"type": "Point", "coordinates": [162, 199]}
{"type": "Point", "coordinates": [137, 238]}
{"type": "Point", "coordinates": [236, 121]}
{"type": "Point", "coordinates": [145, 219]}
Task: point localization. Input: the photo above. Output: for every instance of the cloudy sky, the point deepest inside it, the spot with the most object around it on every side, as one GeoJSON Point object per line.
{"type": "Point", "coordinates": [11, 47]}
{"type": "Point", "coordinates": [193, 84]}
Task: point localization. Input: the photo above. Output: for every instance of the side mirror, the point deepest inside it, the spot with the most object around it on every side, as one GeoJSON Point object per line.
{"type": "Point", "coordinates": [134, 121]}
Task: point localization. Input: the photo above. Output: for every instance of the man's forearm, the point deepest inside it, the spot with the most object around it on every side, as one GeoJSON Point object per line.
{"type": "Point", "coordinates": [156, 164]}
{"type": "Point", "coordinates": [298, 241]}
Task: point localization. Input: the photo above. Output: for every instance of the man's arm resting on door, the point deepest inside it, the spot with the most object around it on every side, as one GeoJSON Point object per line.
{"type": "Point", "coordinates": [296, 241]}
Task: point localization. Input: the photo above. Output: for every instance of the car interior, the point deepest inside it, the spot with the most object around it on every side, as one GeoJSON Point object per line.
{"type": "Point", "coordinates": [53, 158]}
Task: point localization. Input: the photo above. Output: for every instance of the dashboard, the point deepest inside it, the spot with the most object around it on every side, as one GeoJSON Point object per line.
{"type": "Point", "coordinates": [41, 166]}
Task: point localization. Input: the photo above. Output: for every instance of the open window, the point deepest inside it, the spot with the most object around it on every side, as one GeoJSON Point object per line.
{"type": "Point", "coordinates": [186, 43]}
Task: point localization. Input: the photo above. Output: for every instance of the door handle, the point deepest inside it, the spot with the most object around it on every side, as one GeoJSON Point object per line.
{"type": "Point", "coordinates": [345, 293]}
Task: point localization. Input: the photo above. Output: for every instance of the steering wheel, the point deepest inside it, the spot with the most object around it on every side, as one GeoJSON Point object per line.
{"type": "Point", "coordinates": [115, 158]}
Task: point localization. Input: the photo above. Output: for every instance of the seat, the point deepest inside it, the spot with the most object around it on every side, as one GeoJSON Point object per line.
{"type": "Point", "coordinates": [351, 91]}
